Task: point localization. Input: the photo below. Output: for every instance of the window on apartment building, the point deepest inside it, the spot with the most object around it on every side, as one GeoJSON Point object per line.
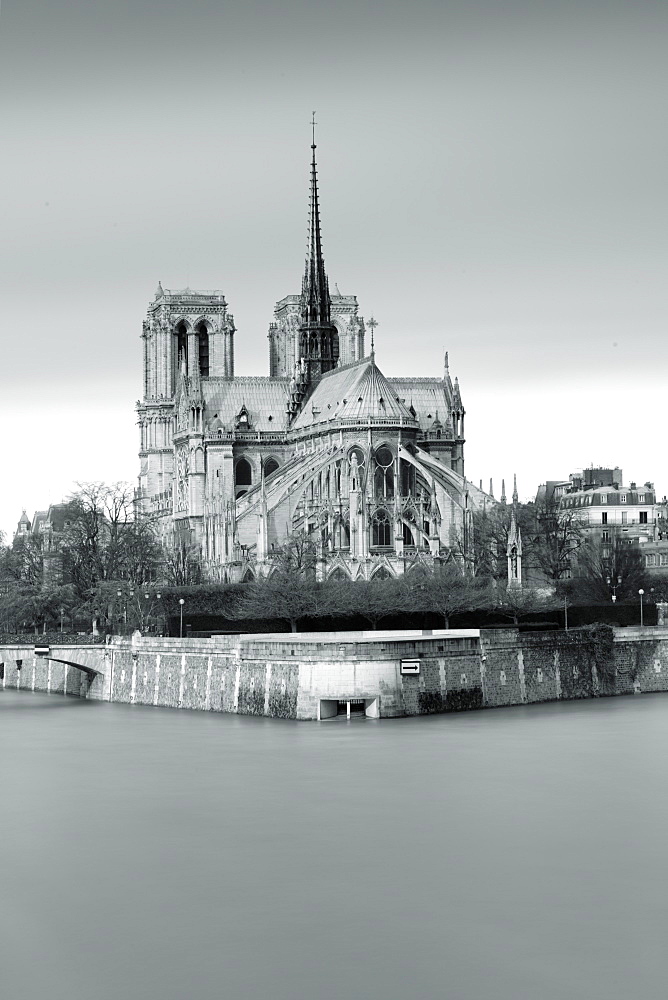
{"type": "Point", "coordinates": [641, 498]}
{"type": "Point", "coordinates": [605, 536]}
{"type": "Point", "coordinates": [625, 516]}
{"type": "Point", "coordinates": [604, 517]}
{"type": "Point", "coordinates": [643, 517]}
{"type": "Point", "coordinates": [664, 558]}
{"type": "Point", "coordinates": [622, 497]}
{"type": "Point", "coordinates": [604, 498]}
{"type": "Point", "coordinates": [650, 560]}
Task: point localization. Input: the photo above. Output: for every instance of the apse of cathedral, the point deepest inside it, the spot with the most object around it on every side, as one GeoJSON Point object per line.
{"type": "Point", "coordinates": [370, 467]}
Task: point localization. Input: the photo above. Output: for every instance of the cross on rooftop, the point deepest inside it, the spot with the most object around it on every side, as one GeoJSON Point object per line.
{"type": "Point", "coordinates": [373, 323]}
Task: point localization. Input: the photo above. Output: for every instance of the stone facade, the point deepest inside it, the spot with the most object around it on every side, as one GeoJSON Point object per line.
{"type": "Point", "coordinates": [312, 676]}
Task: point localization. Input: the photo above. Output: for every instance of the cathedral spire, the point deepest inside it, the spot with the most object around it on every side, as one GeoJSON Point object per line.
{"type": "Point", "coordinates": [318, 336]}
{"type": "Point", "coordinates": [316, 303]}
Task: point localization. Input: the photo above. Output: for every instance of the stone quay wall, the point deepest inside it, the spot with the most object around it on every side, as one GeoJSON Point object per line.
{"type": "Point", "coordinates": [312, 675]}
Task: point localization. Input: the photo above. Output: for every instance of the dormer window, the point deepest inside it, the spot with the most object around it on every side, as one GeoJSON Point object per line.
{"type": "Point", "coordinates": [641, 498]}
{"type": "Point", "coordinates": [622, 497]}
{"type": "Point", "coordinates": [242, 419]}
{"type": "Point", "coordinates": [604, 498]}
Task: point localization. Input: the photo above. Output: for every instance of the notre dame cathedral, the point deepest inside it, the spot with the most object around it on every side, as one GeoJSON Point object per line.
{"type": "Point", "coordinates": [372, 468]}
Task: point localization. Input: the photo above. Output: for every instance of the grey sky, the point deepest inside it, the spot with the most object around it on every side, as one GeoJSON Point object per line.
{"type": "Point", "coordinates": [492, 181]}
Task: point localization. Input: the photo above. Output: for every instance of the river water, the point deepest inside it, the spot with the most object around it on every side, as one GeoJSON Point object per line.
{"type": "Point", "coordinates": [515, 853]}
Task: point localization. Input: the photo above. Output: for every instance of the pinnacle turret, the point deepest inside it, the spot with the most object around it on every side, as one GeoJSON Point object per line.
{"type": "Point", "coordinates": [457, 397]}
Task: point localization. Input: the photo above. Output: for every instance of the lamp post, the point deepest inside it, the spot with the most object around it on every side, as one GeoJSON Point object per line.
{"type": "Point", "coordinates": [614, 585]}
{"type": "Point", "coordinates": [146, 611]}
{"type": "Point", "coordinates": [124, 598]}
{"type": "Point", "coordinates": [181, 603]}
{"type": "Point", "coordinates": [641, 592]}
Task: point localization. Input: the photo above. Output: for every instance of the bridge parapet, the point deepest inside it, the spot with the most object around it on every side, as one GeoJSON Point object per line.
{"type": "Point", "coordinates": [58, 669]}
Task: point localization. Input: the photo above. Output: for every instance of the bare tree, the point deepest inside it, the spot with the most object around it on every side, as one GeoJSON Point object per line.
{"type": "Point", "coordinates": [445, 591]}
{"type": "Point", "coordinates": [142, 554]}
{"type": "Point", "coordinates": [286, 596]}
{"type": "Point", "coordinates": [297, 555]}
{"type": "Point", "coordinates": [23, 560]}
{"type": "Point", "coordinates": [372, 600]}
{"type": "Point", "coordinates": [558, 535]}
{"type": "Point", "coordinates": [516, 602]}
{"type": "Point", "coordinates": [182, 562]}
{"type": "Point", "coordinates": [607, 567]}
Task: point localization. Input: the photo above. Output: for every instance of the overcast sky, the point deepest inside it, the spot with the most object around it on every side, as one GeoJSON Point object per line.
{"type": "Point", "coordinates": [493, 181]}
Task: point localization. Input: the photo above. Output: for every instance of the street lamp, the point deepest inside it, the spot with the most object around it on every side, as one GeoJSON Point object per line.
{"type": "Point", "coordinates": [146, 611]}
{"type": "Point", "coordinates": [614, 586]}
{"type": "Point", "coordinates": [124, 597]}
{"type": "Point", "coordinates": [181, 603]}
{"type": "Point", "coordinates": [641, 592]}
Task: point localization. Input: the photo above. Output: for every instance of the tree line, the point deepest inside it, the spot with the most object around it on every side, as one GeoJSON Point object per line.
{"type": "Point", "coordinates": [113, 565]}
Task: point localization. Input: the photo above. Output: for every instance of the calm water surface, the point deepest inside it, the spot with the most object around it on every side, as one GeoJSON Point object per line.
{"type": "Point", "coordinates": [516, 853]}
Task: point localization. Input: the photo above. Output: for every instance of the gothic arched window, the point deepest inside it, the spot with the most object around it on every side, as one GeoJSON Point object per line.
{"type": "Point", "coordinates": [243, 474]}
{"type": "Point", "coordinates": [382, 574]}
{"type": "Point", "coordinates": [203, 338]}
{"type": "Point", "coordinates": [181, 343]}
{"type": "Point", "coordinates": [341, 534]}
{"type": "Point", "coordinates": [270, 466]}
{"type": "Point", "coordinates": [407, 479]}
{"type": "Point", "coordinates": [382, 531]}
{"type": "Point", "coordinates": [359, 455]}
{"type": "Point", "coordinates": [384, 474]}
{"type": "Point", "coordinates": [338, 574]}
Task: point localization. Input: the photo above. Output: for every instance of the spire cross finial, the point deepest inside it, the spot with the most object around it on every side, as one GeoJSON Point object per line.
{"type": "Point", "coordinates": [373, 323]}
{"type": "Point", "coordinates": [313, 125]}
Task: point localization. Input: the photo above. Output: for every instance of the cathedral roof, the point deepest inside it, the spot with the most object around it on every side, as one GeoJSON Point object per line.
{"type": "Point", "coordinates": [265, 400]}
{"type": "Point", "coordinates": [428, 397]}
{"type": "Point", "coordinates": [38, 520]}
{"type": "Point", "coordinates": [354, 392]}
